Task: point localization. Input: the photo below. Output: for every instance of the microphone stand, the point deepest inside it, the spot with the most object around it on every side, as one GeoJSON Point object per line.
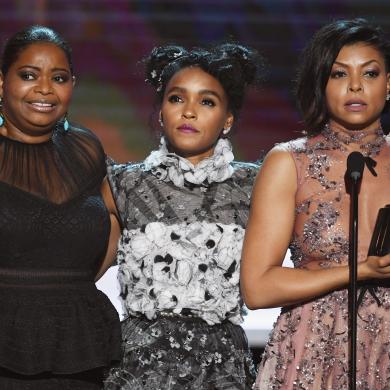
{"type": "Point", "coordinates": [355, 167]}
{"type": "Point", "coordinates": [352, 289]}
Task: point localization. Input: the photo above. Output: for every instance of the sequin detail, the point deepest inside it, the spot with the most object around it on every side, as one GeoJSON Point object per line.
{"type": "Point", "coordinates": [308, 348]}
{"type": "Point", "coordinates": [182, 354]}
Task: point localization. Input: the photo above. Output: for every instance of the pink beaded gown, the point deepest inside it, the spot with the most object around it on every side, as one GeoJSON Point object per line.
{"type": "Point", "coordinates": [308, 348]}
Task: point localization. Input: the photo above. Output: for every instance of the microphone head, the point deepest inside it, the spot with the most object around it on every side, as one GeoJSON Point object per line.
{"type": "Point", "coordinates": [355, 165]}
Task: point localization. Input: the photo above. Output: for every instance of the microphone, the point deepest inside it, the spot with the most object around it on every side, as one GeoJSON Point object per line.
{"type": "Point", "coordinates": [355, 166]}
{"type": "Point", "coordinates": [353, 176]}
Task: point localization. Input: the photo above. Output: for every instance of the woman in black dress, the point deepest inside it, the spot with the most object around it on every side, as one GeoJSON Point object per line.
{"type": "Point", "coordinates": [57, 331]}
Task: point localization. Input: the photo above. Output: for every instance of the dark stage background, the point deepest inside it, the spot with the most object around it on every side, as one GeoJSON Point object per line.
{"type": "Point", "coordinates": [109, 37]}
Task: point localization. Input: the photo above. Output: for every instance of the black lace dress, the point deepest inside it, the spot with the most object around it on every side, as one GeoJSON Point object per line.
{"type": "Point", "coordinates": [57, 330]}
{"type": "Point", "coordinates": [179, 262]}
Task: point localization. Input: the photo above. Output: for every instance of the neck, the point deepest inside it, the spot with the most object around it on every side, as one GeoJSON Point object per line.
{"type": "Point", "coordinates": [362, 136]}
{"type": "Point", "coordinates": [180, 169]}
{"type": "Point", "coordinates": [370, 128]}
{"type": "Point", "coordinates": [193, 158]}
{"type": "Point", "coordinates": [20, 136]}
{"type": "Point", "coordinates": [368, 140]}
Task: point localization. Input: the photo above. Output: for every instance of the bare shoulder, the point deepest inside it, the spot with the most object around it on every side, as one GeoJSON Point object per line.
{"type": "Point", "coordinates": [277, 177]}
{"type": "Point", "coordinates": [279, 160]}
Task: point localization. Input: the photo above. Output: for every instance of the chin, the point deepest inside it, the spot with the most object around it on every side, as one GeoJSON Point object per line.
{"type": "Point", "coordinates": [41, 129]}
{"type": "Point", "coordinates": [356, 122]}
{"type": "Point", "coordinates": [186, 146]}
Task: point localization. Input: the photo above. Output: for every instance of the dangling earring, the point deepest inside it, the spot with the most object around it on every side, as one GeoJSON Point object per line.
{"type": "Point", "coordinates": [388, 96]}
{"type": "Point", "coordinates": [160, 121]}
{"type": "Point", "coordinates": [226, 131]}
{"type": "Point", "coordinates": [66, 123]}
{"type": "Point", "coordinates": [1, 114]}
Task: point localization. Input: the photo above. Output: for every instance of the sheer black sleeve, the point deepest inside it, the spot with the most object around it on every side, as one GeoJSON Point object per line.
{"type": "Point", "coordinates": [57, 170]}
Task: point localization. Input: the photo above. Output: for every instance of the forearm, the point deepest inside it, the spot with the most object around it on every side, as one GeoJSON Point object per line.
{"type": "Point", "coordinates": [282, 286]}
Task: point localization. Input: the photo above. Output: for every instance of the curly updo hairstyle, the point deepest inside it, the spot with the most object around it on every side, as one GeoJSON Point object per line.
{"type": "Point", "coordinates": [30, 35]}
{"type": "Point", "coordinates": [233, 65]}
{"type": "Point", "coordinates": [318, 58]}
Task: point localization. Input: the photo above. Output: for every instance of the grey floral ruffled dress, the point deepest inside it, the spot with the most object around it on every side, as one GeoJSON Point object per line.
{"type": "Point", "coordinates": [179, 262]}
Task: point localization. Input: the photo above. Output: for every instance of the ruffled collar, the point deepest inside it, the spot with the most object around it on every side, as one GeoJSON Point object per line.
{"type": "Point", "coordinates": [369, 141]}
{"type": "Point", "coordinates": [168, 166]}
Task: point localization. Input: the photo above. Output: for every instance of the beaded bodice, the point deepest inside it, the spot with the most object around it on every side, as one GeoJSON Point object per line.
{"type": "Point", "coordinates": [322, 204]}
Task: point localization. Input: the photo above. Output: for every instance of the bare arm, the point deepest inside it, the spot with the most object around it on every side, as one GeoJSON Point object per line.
{"type": "Point", "coordinates": [115, 229]}
{"type": "Point", "coordinates": [264, 282]}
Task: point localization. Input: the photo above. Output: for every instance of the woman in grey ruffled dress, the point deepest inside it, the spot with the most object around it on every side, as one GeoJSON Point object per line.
{"type": "Point", "coordinates": [184, 211]}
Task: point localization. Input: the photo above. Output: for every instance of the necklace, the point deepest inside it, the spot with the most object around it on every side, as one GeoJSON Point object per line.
{"type": "Point", "coordinates": [339, 139]}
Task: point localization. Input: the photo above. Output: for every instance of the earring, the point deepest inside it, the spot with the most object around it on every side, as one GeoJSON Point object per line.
{"type": "Point", "coordinates": [388, 96]}
{"type": "Point", "coordinates": [1, 115]}
{"type": "Point", "coordinates": [226, 131]}
{"type": "Point", "coordinates": [161, 122]}
{"type": "Point", "coordinates": [66, 123]}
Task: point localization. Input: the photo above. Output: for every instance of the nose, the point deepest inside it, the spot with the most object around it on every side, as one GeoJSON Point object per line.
{"type": "Point", "coordinates": [44, 86]}
{"type": "Point", "coordinates": [355, 84]}
{"type": "Point", "coordinates": [189, 111]}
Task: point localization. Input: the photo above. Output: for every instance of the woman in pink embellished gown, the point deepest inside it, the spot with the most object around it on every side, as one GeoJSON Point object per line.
{"type": "Point", "coordinates": [299, 201]}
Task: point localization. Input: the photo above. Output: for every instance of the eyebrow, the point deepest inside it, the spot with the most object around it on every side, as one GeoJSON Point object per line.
{"type": "Point", "coordinates": [201, 92]}
{"type": "Point", "coordinates": [38, 68]}
{"type": "Point", "coordinates": [364, 64]}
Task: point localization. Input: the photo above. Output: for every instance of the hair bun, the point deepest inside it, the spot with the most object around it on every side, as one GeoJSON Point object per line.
{"type": "Point", "coordinates": [249, 60]}
{"type": "Point", "coordinates": [158, 59]}
{"type": "Point", "coordinates": [233, 65]}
